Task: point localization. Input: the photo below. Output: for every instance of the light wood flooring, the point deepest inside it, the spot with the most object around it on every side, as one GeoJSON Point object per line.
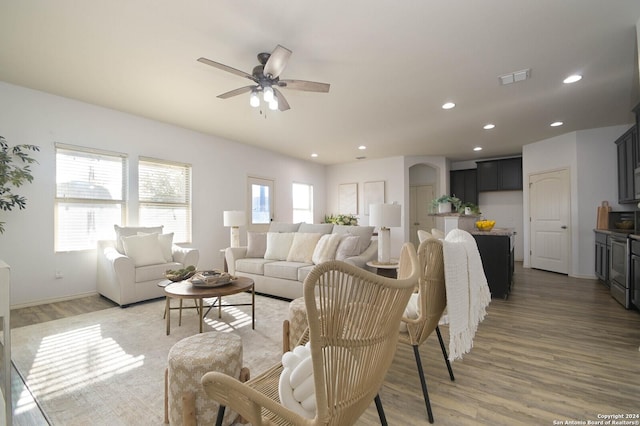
{"type": "Point", "coordinates": [558, 349]}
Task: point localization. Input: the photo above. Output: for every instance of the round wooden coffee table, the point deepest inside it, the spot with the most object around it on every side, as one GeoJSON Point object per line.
{"type": "Point", "coordinates": [186, 290]}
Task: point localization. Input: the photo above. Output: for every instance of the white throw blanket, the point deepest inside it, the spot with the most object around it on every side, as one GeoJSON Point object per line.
{"type": "Point", "coordinates": [467, 290]}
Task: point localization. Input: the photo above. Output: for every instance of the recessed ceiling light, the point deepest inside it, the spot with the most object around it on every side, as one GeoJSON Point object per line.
{"type": "Point", "coordinates": [362, 147]}
{"type": "Point", "coordinates": [572, 79]}
{"type": "Point", "coordinates": [556, 124]}
{"type": "Point", "coordinates": [314, 155]}
{"type": "Point", "coordinates": [489, 126]}
{"type": "Point", "coordinates": [448, 105]}
{"type": "Point", "coordinates": [477, 148]}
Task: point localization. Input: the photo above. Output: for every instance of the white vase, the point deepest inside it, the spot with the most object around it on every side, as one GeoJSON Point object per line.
{"type": "Point", "coordinates": [444, 208]}
{"type": "Point", "coordinates": [467, 211]}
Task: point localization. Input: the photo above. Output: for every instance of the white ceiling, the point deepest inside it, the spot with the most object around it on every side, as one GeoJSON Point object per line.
{"type": "Point", "coordinates": [391, 65]}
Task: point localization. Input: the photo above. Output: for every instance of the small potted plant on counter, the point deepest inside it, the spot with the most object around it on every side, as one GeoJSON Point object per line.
{"type": "Point", "coordinates": [444, 203]}
{"type": "Point", "coordinates": [470, 209]}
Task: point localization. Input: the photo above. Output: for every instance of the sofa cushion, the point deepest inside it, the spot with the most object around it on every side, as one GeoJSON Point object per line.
{"type": "Point", "coordinates": [348, 247]}
{"type": "Point", "coordinates": [322, 228]}
{"type": "Point", "coordinates": [127, 231]}
{"type": "Point", "coordinates": [304, 271]}
{"type": "Point", "coordinates": [364, 232]}
{"type": "Point", "coordinates": [252, 265]}
{"type": "Point", "coordinates": [303, 246]}
{"type": "Point", "coordinates": [278, 245]}
{"type": "Point", "coordinates": [155, 272]}
{"type": "Point", "coordinates": [256, 244]}
{"type": "Point", "coordinates": [326, 248]}
{"type": "Point", "coordinates": [283, 227]}
{"type": "Point", "coordinates": [143, 249]}
{"type": "Point", "coordinates": [284, 270]}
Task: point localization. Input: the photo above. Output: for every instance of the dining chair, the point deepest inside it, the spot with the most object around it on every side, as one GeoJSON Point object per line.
{"type": "Point", "coordinates": [352, 347]}
{"type": "Point", "coordinates": [426, 307]}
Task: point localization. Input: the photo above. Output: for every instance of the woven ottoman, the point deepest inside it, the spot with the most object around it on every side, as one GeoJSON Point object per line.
{"type": "Point", "coordinates": [189, 359]}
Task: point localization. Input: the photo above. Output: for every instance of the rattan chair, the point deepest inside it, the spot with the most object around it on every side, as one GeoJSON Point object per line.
{"type": "Point", "coordinates": [352, 347]}
{"type": "Point", "coordinates": [432, 301]}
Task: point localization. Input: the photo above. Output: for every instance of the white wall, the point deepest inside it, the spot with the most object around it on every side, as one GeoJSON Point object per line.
{"type": "Point", "coordinates": [590, 156]}
{"type": "Point", "coordinates": [389, 170]}
{"type": "Point", "coordinates": [395, 171]}
{"type": "Point", "coordinates": [220, 169]}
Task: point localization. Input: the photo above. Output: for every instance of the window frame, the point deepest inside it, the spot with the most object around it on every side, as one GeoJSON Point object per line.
{"type": "Point", "coordinates": [81, 151]}
{"type": "Point", "coordinates": [187, 203]}
{"type": "Point", "coordinates": [308, 211]}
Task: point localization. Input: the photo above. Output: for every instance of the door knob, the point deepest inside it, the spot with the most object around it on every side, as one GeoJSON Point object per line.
{"type": "Point", "coordinates": [564, 227]}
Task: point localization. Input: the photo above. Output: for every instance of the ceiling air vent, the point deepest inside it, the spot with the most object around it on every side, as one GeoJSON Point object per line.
{"type": "Point", "coordinates": [515, 77]}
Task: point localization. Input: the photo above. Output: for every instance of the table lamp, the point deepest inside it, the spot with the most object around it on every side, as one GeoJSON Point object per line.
{"type": "Point", "coordinates": [385, 216]}
{"type": "Point", "coordinates": [234, 219]}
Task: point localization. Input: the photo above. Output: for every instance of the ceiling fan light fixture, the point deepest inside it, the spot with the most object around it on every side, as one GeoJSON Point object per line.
{"type": "Point", "coordinates": [267, 94]}
{"type": "Point", "coordinates": [254, 99]}
{"type": "Point", "coordinates": [273, 104]}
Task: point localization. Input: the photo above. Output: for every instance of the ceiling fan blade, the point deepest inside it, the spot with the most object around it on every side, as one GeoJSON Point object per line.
{"type": "Point", "coordinates": [236, 92]}
{"type": "Point", "coordinates": [226, 68]}
{"type": "Point", "coordinates": [277, 61]}
{"type": "Point", "coordinates": [283, 105]}
{"type": "Point", "coordinates": [308, 86]}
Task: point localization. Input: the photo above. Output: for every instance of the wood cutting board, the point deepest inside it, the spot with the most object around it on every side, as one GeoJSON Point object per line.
{"type": "Point", "coordinates": [603, 215]}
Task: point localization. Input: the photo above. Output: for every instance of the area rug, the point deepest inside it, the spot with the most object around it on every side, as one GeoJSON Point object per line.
{"type": "Point", "coordinates": [107, 367]}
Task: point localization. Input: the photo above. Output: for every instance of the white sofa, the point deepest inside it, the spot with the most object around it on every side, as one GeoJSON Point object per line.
{"type": "Point", "coordinates": [279, 260]}
{"type": "Point", "coordinates": [129, 269]}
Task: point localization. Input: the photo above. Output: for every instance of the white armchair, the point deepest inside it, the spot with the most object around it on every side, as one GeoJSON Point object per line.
{"type": "Point", "coordinates": [120, 280]}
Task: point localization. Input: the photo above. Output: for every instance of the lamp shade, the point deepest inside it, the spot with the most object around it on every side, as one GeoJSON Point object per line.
{"type": "Point", "coordinates": [234, 218]}
{"type": "Point", "coordinates": [385, 215]}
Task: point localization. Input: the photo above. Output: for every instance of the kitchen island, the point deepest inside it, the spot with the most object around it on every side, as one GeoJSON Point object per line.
{"type": "Point", "coordinates": [496, 252]}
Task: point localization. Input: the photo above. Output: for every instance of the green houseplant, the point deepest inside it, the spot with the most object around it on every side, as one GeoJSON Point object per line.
{"type": "Point", "coordinates": [15, 170]}
{"type": "Point", "coordinates": [342, 219]}
{"type": "Point", "coordinates": [443, 199]}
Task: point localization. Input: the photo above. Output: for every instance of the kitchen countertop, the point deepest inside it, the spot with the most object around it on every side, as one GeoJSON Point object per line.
{"type": "Point", "coordinates": [615, 231]}
{"type": "Point", "coordinates": [508, 232]}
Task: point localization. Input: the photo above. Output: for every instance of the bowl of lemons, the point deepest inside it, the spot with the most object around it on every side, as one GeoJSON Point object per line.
{"type": "Point", "coordinates": [485, 225]}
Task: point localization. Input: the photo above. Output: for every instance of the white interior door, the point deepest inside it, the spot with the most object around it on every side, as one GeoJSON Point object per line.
{"type": "Point", "coordinates": [550, 216]}
{"type": "Point", "coordinates": [420, 197]}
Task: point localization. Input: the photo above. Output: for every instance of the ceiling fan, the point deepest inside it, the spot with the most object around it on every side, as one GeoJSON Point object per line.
{"type": "Point", "coordinates": [267, 79]}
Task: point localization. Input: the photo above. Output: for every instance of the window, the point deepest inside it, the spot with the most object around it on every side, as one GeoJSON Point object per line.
{"type": "Point", "coordinates": [302, 203]}
{"type": "Point", "coordinates": [90, 196]}
{"type": "Point", "coordinates": [261, 193]}
{"type": "Point", "coordinates": [165, 196]}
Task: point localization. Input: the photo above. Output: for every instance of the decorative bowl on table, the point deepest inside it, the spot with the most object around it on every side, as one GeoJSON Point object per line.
{"type": "Point", "coordinates": [180, 274]}
{"type": "Point", "coordinates": [485, 225]}
{"type": "Point", "coordinates": [213, 278]}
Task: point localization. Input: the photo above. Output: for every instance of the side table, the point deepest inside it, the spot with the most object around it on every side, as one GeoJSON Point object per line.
{"type": "Point", "coordinates": [389, 270]}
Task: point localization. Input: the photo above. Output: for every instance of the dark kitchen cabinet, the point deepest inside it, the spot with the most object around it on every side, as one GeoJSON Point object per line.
{"type": "Point", "coordinates": [463, 185]}
{"type": "Point", "coordinates": [627, 148]}
{"type": "Point", "coordinates": [496, 252]}
{"type": "Point", "coordinates": [602, 257]}
{"type": "Point", "coordinates": [500, 175]}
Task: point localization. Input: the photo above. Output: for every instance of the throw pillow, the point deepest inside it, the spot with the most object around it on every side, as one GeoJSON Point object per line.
{"type": "Point", "coordinates": [326, 248]}
{"type": "Point", "coordinates": [364, 232]}
{"type": "Point", "coordinates": [303, 246]}
{"type": "Point", "coordinates": [166, 244]}
{"type": "Point", "coordinates": [143, 249]}
{"type": "Point", "coordinates": [127, 231]}
{"type": "Point", "coordinates": [411, 311]}
{"type": "Point", "coordinates": [296, 384]}
{"type": "Point", "coordinates": [256, 244]}
{"type": "Point", "coordinates": [278, 245]}
{"type": "Point", "coordinates": [348, 247]}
